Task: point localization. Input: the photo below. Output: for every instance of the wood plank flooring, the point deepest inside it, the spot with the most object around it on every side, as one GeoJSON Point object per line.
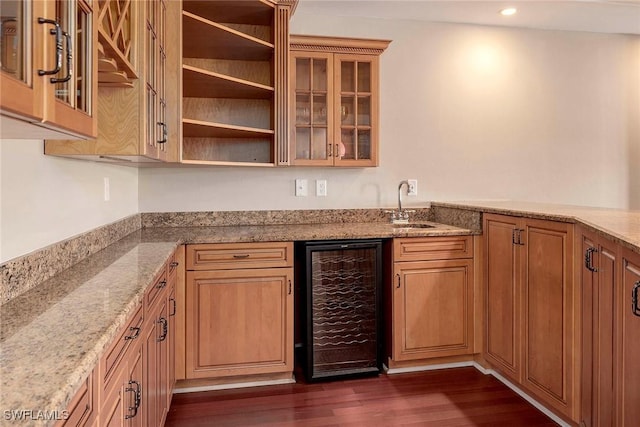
{"type": "Point", "coordinates": [451, 397]}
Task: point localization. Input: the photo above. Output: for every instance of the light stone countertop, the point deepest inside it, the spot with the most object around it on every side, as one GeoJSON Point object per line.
{"type": "Point", "coordinates": [52, 336]}
{"type": "Point", "coordinates": [622, 226]}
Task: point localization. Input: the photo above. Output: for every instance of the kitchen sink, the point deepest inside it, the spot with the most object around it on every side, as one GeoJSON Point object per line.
{"type": "Point", "coordinates": [413, 225]}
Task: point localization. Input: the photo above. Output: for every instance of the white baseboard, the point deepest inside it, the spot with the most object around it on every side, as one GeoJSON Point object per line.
{"type": "Point", "coordinates": [234, 385]}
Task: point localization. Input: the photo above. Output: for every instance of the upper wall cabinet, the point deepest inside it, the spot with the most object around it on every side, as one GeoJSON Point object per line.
{"type": "Point", "coordinates": [138, 122]}
{"type": "Point", "coordinates": [334, 101]}
{"type": "Point", "coordinates": [234, 82]}
{"type": "Point", "coordinates": [48, 62]}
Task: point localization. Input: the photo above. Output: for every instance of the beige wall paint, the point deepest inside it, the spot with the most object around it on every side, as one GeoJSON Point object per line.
{"type": "Point", "coordinates": [472, 112]}
{"type": "Point", "coordinates": [45, 199]}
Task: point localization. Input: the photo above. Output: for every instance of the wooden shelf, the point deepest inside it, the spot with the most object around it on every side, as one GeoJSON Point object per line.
{"type": "Point", "coordinates": [207, 39]}
{"type": "Point", "coordinates": [223, 163]}
{"type": "Point", "coordinates": [233, 11]}
{"type": "Point", "coordinates": [201, 129]}
{"type": "Point", "coordinates": [206, 84]}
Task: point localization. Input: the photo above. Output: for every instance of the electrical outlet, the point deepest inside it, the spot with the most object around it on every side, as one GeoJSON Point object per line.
{"type": "Point", "coordinates": [301, 187]}
{"type": "Point", "coordinates": [321, 187]}
{"type": "Point", "coordinates": [107, 189]}
{"type": "Point", "coordinates": [413, 187]}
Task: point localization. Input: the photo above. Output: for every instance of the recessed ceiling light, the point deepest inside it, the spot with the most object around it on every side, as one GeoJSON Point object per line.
{"type": "Point", "coordinates": [508, 11]}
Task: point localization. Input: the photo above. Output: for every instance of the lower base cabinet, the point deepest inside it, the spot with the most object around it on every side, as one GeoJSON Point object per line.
{"type": "Point", "coordinates": [432, 298]}
{"type": "Point", "coordinates": [239, 309]}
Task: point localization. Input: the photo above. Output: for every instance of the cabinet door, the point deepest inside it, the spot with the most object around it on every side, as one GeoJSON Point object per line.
{"type": "Point", "coordinates": [628, 343]}
{"type": "Point", "coordinates": [151, 366]}
{"type": "Point", "coordinates": [74, 90]}
{"type": "Point", "coordinates": [432, 309]}
{"type": "Point", "coordinates": [22, 89]}
{"type": "Point", "coordinates": [312, 109]}
{"type": "Point", "coordinates": [356, 138]}
{"type": "Point", "coordinates": [501, 276]}
{"type": "Point", "coordinates": [599, 280]}
{"type": "Point", "coordinates": [550, 329]}
{"type": "Point", "coordinates": [171, 339]}
{"type": "Point", "coordinates": [239, 322]}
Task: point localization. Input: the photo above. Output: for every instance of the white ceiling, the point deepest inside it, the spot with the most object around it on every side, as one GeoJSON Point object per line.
{"type": "Point", "coordinates": [616, 16]}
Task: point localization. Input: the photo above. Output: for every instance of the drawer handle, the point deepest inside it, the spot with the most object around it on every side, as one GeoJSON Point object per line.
{"type": "Point", "coordinates": [588, 259]}
{"type": "Point", "coordinates": [174, 264]}
{"type": "Point", "coordinates": [243, 256]}
{"type": "Point", "coordinates": [634, 299]}
{"type": "Point", "coordinates": [136, 333]}
{"type": "Point", "coordinates": [162, 284]}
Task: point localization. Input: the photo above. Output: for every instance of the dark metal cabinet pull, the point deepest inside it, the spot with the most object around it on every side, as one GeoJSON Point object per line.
{"type": "Point", "coordinates": [174, 264]}
{"type": "Point", "coordinates": [398, 286]}
{"type": "Point", "coordinates": [634, 299]}
{"type": "Point", "coordinates": [162, 284]}
{"type": "Point", "coordinates": [137, 398]}
{"type": "Point", "coordinates": [164, 132]}
{"type": "Point", "coordinates": [69, 61]}
{"type": "Point", "coordinates": [57, 31]}
{"type": "Point", "coordinates": [136, 333]}
{"type": "Point", "coordinates": [165, 329]}
{"type": "Point", "coordinates": [173, 301]}
{"type": "Point", "coordinates": [289, 287]}
{"type": "Point", "coordinates": [242, 256]}
{"type": "Point", "coordinates": [588, 259]}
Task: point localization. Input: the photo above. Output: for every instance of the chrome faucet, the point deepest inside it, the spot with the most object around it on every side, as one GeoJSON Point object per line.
{"type": "Point", "coordinates": [401, 216]}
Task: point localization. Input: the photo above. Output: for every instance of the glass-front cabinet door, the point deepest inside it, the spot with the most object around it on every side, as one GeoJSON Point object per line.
{"type": "Point", "coordinates": [21, 93]}
{"type": "Point", "coordinates": [357, 115]}
{"type": "Point", "coordinates": [48, 63]}
{"type": "Point", "coordinates": [312, 109]}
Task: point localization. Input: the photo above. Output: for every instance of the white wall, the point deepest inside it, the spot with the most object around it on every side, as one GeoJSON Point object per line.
{"type": "Point", "coordinates": [472, 112]}
{"type": "Point", "coordinates": [45, 199]}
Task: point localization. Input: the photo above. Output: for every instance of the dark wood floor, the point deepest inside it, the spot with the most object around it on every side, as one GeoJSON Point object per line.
{"type": "Point", "coordinates": [452, 397]}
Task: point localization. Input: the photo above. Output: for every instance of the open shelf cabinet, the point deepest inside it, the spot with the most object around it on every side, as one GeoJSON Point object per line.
{"type": "Point", "coordinates": [232, 56]}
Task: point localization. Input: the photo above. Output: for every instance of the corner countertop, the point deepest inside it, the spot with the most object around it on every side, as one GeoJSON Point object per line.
{"type": "Point", "coordinates": [622, 226]}
{"type": "Point", "coordinates": [52, 336]}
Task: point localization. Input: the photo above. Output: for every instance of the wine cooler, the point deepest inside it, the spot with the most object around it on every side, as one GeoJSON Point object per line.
{"type": "Point", "coordinates": [341, 308]}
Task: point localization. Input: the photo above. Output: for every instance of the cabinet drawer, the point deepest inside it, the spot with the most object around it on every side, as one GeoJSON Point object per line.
{"type": "Point", "coordinates": [239, 255]}
{"type": "Point", "coordinates": [157, 288]}
{"type": "Point", "coordinates": [111, 358]}
{"type": "Point", "coordinates": [432, 248]}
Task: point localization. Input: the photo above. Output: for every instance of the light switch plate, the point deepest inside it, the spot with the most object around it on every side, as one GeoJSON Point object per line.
{"type": "Point", "coordinates": [321, 187]}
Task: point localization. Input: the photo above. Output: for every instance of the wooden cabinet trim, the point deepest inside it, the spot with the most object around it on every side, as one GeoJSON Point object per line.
{"type": "Point", "coordinates": [338, 44]}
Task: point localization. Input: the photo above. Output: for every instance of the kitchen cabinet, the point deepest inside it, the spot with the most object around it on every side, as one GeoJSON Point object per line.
{"type": "Point", "coordinates": [138, 117]}
{"type": "Point", "coordinates": [121, 376]}
{"type": "Point", "coordinates": [598, 261]}
{"type": "Point", "coordinates": [48, 61]}
{"type": "Point", "coordinates": [627, 342]}
{"type": "Point", "coordinates": [239, 309]}
{"type": "Point", "coordinates": [531, 313]}
{"type": "Point", "coordinates": [234, 80]}
{"type": "Point", "coordinates": [334, 105]}
{"type": "Point", "coordinates": [432, 294]}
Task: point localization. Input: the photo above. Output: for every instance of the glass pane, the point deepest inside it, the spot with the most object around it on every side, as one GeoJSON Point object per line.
{"type": "Point", "coordinates": [82, 52]}
{"type": "Point", "coordinates": [320, 109]}
{"type": "Point", "coordinates": [364, 111]}
{"type": "Point", "coordinates": [347, 145]}
{"type": "Point", "coordinates": [320, 74]}
{"type": "Point", "coordinates": [13, 16]}
{"type": "Point", "coordinates": [303, 143]}
{"type": "Point", "coordinates": [364, 144]}
{"type": "Point", "coordinates": [303, 73]}
{"type": "Point", "coordinates": [347, 111]}
{"type": "Point", "coordinates": [303, 115]}
{"type": "Point", "coordinates": [348, 73]}
{"type": "Point", "coordinates": [364, 77]}
{"type": "Point", "coordinates": [64, 90]}
{"type": "Point", "coordinates": [319, 150]}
